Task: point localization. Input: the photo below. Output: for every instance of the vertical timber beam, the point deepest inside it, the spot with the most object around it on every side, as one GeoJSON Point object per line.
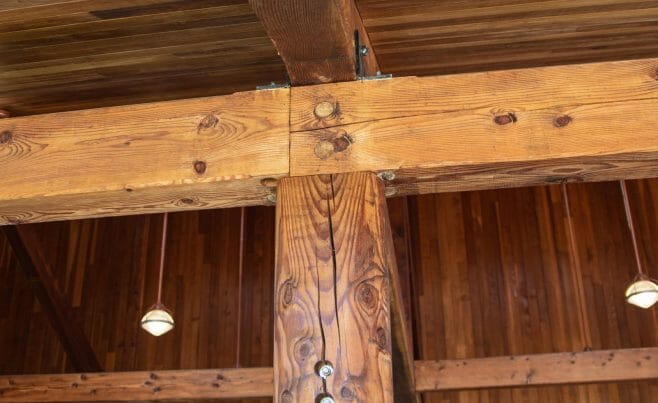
{"type": "Point", "coordinates": [23, 240]}
{"type": "Point", "coordinates": [315, 38]}
{"type": "Point", "coordinates": [334, 252]}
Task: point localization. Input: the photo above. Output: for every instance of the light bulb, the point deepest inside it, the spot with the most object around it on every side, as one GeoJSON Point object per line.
{"type": "Point", "coordinates": [158, 320]}
{"type": "Point", "coordinates": [643, 293]}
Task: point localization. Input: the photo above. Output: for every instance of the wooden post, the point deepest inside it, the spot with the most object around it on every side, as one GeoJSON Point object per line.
{"type": "Point", "coordinates": [334, 251]}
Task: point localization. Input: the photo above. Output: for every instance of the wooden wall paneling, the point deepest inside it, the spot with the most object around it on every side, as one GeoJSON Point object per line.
{"type": "Point", "coordinates": [257, 303]}
{"type": "Point", "coordinates": [519, 284]}
{"type": "Point", "coordinates": [27, 249]}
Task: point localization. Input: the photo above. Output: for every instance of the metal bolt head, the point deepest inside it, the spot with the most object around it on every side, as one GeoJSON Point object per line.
{"type": "Point", "coordinates": [364, 50]}
{"type": "Point", "coordinates": [324, 369]}
{"type": "Point", "coordinates": [386, 175]}
{"type": "Point", "coordinates": [324, 398]}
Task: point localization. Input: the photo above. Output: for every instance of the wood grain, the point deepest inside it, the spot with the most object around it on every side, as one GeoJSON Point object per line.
{"type": "Point", "coordinates": [539, 369]}
{"type": "Point", "coordinates": [315, 38]}
{"type": "Point", "coordinates": [496, 91]}
{"type": "Point", "coordinates": [206, 152]}
{"type": "Point", "coordinates": [332, 289]}
{"type": "Point", "coordinates": [28, 251]}
{"type": "Point", "coordinates": [425, 37]}
{"type": "Point", "coordinates": [487, 148]}
{"type": "Point", "coordinates": [71, 55]}
{"type": "Point", "coordinates": [138, 386]}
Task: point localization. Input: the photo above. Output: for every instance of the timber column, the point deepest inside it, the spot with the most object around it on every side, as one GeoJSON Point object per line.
{"type": "Point", "coordinates": [334, 252]}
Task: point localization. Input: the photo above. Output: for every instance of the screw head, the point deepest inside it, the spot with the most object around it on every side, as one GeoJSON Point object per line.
{"type": "Point", "coordinates": [324, 369]}
{"type": "Point", "coordinates": [364, 50]}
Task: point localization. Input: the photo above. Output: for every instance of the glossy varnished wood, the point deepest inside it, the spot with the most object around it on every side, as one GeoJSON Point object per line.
{"type": "Point", "coordinates": [332, 287]}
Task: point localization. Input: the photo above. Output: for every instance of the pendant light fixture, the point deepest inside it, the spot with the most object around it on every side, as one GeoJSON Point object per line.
{"type": "Point", "coordinates": [643, 292]}
{"type": "Point", "coordinates": [158, 320]}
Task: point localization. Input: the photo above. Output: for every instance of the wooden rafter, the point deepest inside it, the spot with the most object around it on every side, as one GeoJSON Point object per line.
{"type": "Point", "coordinates": [27, 249]}
{"type": "Point", "coordinates": [463, 132]}
{"type": "Point", "coordinates": [315, 38]}
{"type": "Point", "coordinates": [511, 371]}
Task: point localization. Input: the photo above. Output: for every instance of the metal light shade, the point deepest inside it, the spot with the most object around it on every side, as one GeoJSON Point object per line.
{"type": "Point", "coordinates": [643, 292]}
{"type": "Point", "coordinates": [158, 320]}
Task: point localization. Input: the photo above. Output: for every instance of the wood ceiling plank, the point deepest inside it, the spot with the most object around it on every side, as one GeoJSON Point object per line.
{"type": "Point", "coordinates": [334, 253]}
{"type": "Point", "coordinates": [315, 38]}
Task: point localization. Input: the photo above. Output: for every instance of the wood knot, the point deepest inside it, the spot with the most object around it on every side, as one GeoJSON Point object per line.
{"type": "Point", "coordinates": [562, 120]}
{"type": "Point", "coordinates": [326, 148]}
{"type": "Point", "coordinates": [303, 349]}
{"type": "Point", "coordinates": [153, 376]}
{"type": "Point", "coordinates": [199, 167]}
{"type": "Point", "coordinates": [286, 396]}
{"type": "Point", "coordinates": [325, 109]}
{"type": "Point", "coordinates": [207, 123]}
{"type": "Point", "coordinates": [220, 377]}
{"type": "Point", "coordinates": [382, 340]}
{"type": "Point", "coordinates": [83, 377]}
{"type": "Point", "coordinates": [186, 200]}
{"type": "Point", "coordinates": [367, 296]}
{"type": "Point", "coordinates": [506, 119]}
{"type": "Point", "coordinates": [6, 136]}
{"type": "Point", "coordinates": [269, 182]}
{"type": "Point", "coordinates": [4, 114]}
{"type": "Point", "coordinates": [287, 293]}
{"type": "Point", "coordinates": [347, 393]}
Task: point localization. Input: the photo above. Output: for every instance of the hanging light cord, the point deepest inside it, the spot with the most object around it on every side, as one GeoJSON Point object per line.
{"type": "Point", "coordinates": [631, 227]}
{"type": "Point", "coordinates": [577, 273]}
{"type": "Point", "coordinates": [162, 255]}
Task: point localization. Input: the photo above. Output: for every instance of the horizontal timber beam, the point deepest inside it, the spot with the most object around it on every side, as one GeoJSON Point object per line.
{"type": "Point", "coordinates": [511, 128]}
{"type": "Point", "coordinates": [538, 369]}
{"type": "Point", "coordinates": [148, 158]}
{"type": "Point", "coordinates": [473, 373]}
{"type": "Point", "coordinates": [139, 386]}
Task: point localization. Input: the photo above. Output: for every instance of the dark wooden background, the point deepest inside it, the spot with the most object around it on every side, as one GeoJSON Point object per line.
{"type": "Point", "coordinates": [489, 274]}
